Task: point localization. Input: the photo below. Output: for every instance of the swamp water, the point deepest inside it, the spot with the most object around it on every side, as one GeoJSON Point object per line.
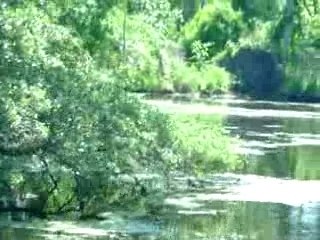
{"type": "Point", "coordinates": [277, 196]}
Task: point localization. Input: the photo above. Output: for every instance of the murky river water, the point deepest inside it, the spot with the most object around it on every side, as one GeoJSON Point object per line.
{"type": "Point", "coordinates": [276, 197]}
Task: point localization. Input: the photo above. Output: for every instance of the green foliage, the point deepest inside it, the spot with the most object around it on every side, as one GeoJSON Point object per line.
{"type": "Point", "coordinates": [303, 82]}
{"type": "Point", "coordinates": [208, 79]}
{"type": "Point", "coordinates": [136, 57]}
{"type": "Point", "coordinates": [87, 18]}
{"type": "Point", "coordinates": [205, 147]}
{"type": "Point", "coordinates": [160, 14]}
{"type": "Point", "coordinates": [216, 79]}
{"type": "Point", "coordinates": [139, 64]}
{"type": "Point", "coordinates": [215, 25]}
{"type": "Point", "coordinates": [186, 78]}
{"type": "Point", "coordinates": [312, 30]}
{"type": "Point", "coordinates": [72, 134]}
{"type": "Point", "coordinates": [201, 75]}
{"type": "Point", "coordinates": [152, 62]}
{"type": "Point", "coordinates": [67, 127]}
{"type": "Point", "coordinates": [258, 37]}
{"type": "Point", "coordinates": [302, 69]}
{"type": "Point", "coordinates": [200, 52]}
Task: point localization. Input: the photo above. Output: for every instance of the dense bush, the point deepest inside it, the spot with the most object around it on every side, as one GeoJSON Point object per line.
{"type": "Point", "coordinates": [69, 134]}
{"type": "Point", "coordinates": [160, 14]}
{"type": "Point", "coordinates": [207, 79]}
{"type": "Point", "coordinates": [215, 25]}
{"type": "Point", "coordinates": [302, 68]}
{"type": "Point", "coordinates": [154, 63]}
{"type": "Point", "coordinates": [138, 66]}
{"type": "Point", "coordinates": [205, 147]}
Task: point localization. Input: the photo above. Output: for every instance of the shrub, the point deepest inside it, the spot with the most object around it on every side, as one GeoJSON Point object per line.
{"type": "Point", "coordinates": [209, 78]}
{"type": "Point", "coordinates": [69, 134]}
{"type": "Point", "coordinates": [216, 79]}
{"type": "Point", "coordinates": [205, 147]}
{"type": "Point", "coordinates": [137, 64]}
{"type": "Point", "coordinates": [215, 24]}
{"type": "Point", "coordinates": [186, 78]}
{"type": "Point", "coordinates": [158, 13]}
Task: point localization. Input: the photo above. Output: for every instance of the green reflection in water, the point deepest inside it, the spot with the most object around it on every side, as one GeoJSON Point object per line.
{"type": "Point", "coordinates": [18, 234]}
{"type": "Point", "coordinates": [248, 221]}
{"type": "Point", "coordinates": [305, 162]}
{"type": "Point", "coordinates": [301, 163]}
{"type": "Point", "coordinates": [290, 147]}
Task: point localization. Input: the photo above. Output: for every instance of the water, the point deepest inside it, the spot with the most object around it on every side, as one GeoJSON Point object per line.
{"type": "Point", "coordinates": [277, 196]}
{"type": "Point", "coordinates": [284, 143]}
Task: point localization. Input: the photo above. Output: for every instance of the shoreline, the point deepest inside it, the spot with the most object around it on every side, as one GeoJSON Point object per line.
{"type": "Point", "coordinates": [195, 96]}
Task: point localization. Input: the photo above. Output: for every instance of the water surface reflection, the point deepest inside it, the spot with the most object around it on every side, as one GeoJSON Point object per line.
{"type": "Point", "coordinates": [279, 147]}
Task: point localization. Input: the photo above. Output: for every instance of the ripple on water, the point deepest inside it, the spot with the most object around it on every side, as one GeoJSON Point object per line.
{"type": "Point", "coordinates": [253, 188]}
{"type": "Point", "coordinates": [170, 106]}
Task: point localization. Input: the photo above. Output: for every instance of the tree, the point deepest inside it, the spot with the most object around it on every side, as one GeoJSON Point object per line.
{"type": "Point", "coordinates": [69, 133]}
